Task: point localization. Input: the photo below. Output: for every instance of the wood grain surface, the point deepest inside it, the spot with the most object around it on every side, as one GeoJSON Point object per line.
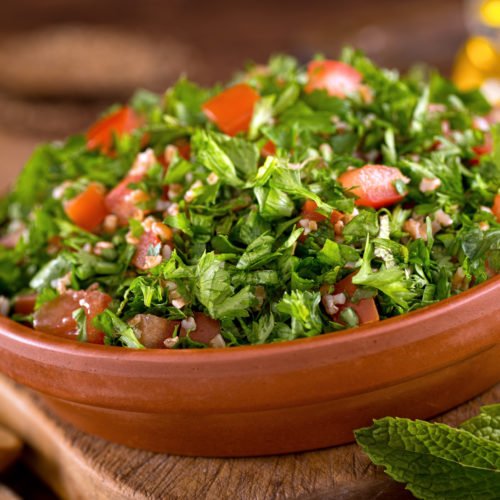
{"type": "Point", "coordinates": [79, 466]}
{"type": "Point", "coordinates": [10, 448]}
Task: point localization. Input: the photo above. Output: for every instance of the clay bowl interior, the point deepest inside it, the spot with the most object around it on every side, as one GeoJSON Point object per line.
{"type": "Point", "coordinates": [268, 399]}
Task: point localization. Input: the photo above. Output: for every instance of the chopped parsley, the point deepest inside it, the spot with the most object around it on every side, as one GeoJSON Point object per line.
{"type": "Point", "coordinates": [218, 224]}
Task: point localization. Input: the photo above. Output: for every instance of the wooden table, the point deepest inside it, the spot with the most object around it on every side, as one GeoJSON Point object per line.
{"type": "Point", "coordinates": [79, 466]}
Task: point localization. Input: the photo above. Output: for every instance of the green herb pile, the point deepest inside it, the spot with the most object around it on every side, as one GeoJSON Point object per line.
{"type": "Point", "coordinates": [241, 232]}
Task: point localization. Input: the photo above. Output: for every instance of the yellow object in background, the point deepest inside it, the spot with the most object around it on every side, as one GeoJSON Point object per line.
{"type": "Point", "coordinates": [489, 12]}
{"type": "Point", "coordinates": [478, 61]}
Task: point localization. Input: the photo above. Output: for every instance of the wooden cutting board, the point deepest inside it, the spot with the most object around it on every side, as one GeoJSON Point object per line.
{"type": "Point", "coordinates": [79, 466]}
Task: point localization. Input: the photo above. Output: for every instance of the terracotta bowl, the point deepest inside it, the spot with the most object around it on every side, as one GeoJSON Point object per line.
{"type": "Point", "coordinates": [278, 398]}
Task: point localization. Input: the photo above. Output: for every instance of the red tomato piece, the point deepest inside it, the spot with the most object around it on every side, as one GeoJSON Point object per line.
{"type": "Point", "coordinates": [206, 329]}
{"type": "Point", "coordinates": [483, 123]}
{"type": "Point", "coordinates": [373, 184]}
{"type": "Point", "coordinates": [365, 309]}
{"type": "Point", "coordinates": [269, 149]}
{"type": "Point", "coordinates": [122, 201]}
{"type": "Point", "coordinates": [152, 331]}
{"type": "Point", "coordinates": [309, 209]}
{"type": "Point", "coordinates": [183, 147]}
{"type": "Point", "coordinates": [496, 207]}
{"type": "Point", "coordinates": [336, 77]}
{"type": "Point", "coordinates": [56, 317]}
{"type": "Point", "coordinates": [232, 109]}
{"type": "Point", "coordinates": [486, 147]}
{"type": "Point", "coordinates": [25, 304]}
{"type": "Point", "coordinates": [309, 213]}
{"type": "Point", "coordinates": [123, 121]}
{"type": "Point", "coordinates": [141, 259]}
{"type": "Point", "coordinates": [87, 210]}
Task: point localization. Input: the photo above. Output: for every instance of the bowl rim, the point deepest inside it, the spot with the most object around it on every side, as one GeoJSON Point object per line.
{"type": "Point", "coordinates": [30, 338]}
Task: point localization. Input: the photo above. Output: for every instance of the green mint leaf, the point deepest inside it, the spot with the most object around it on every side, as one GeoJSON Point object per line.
{"type": "Point", "coordinates": [436, 461]}
{"type": "Point", "coordinates": [485, 425]}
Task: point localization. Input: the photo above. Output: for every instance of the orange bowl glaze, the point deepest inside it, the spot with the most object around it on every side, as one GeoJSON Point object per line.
{"type": "Point", "coordinates": [258, 400]}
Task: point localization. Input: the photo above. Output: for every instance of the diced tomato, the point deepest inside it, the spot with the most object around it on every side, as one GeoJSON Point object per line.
{"type": "Point", "coordinates": [87, 210]}
{"type": "Point", "coordinates": [373, 184]}
{"type": "Point", "coordinates": [269, 149]}
{"type": "Point", "coordinates": [152, 331]}
{"type": "Point", "coordinates": [140, 259]}
{"type": "Point", "coordinates": [486, 147]}
{"type": "Point", "coordinates": [206, 329]}
{"type": "Point", "coordinates": [120, 200]}
{"type": "Point", "coordinates": [309, 209]}
{"type": "Point", "coordinates": [232, 109]}
{"type": "Point", "coordinates": [309, 213]}
{"type": "Point", "coordinates": [483, 123]}
{"type": "Point", "coordinates": [183, 147]}
{"type": "Point", "coordinates": [56, 317]}
{"type": "Point", "coordinates": [336, 77]}
{"type": "Point", "coordinates": [122, 121]}
{"type": "Point", "coordinates": [25, 304]}
{"type": "Point", "coordinates": [365, 309]}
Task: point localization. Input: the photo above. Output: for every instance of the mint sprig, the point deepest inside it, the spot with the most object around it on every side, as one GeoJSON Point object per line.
{"type": "Point", "coordinates": [435, 460]}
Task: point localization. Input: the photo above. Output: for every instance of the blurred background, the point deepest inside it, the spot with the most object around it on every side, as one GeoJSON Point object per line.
{"type": "Point", "coordinates": [62, 62]}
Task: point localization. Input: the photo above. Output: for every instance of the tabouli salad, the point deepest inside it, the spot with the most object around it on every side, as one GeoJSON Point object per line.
{"type": "Point", "coordinates": [292, 202]}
